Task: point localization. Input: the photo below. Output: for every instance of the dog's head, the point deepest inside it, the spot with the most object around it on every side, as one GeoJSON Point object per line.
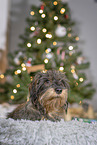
{"type": "Point", "coordinates": [49, 90]}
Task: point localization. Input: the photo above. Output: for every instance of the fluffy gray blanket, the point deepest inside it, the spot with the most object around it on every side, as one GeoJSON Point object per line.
{"type": "Point", "coordinates": [47, 133]}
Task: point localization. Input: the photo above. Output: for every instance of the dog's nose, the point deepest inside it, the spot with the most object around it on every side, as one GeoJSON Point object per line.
{"type": "Point", "coordinates": [58, 91]}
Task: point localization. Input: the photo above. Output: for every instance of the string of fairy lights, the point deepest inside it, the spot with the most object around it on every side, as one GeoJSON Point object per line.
{"type": "Point", "coordinates": [48, 50]}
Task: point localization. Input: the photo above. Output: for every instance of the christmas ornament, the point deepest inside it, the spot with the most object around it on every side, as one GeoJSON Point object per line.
{"type": "Point", "coordinates": [17, 58]}
{"type": "Point", "coordinates": [80, 60]}
{"type": "Point", "coordinates": [66, 16]}
{"type": "Point", "coordinates": [58, 50]}
{"type": "Point", "coordinates": [28, 63]}
{"type": "Point", "coordinates": [42, 7]}
{"type": "Point", "coordinates": [55, 18]}
{"type": "Point", "coordinates": [60, 31]}
{"type": "Point", "coordinates": [75, 75]}
{"type": "Point", "coordinates": [63, 55]}
{"type": "Point", "coordinates": [49, 55]}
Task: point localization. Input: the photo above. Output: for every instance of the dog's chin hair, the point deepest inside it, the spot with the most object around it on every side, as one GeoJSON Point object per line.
{"type": "Point", "coordinates": [53, 102]}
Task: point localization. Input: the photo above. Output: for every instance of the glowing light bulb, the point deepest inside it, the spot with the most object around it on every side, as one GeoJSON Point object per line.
{"type": "Point", "coordinates": [18, 85]}
{"type": "Point", "coordinates": [48, 35]}
{"type": "Point", "coordinates": [81, 79]}
{"type": "Point", "coordinates": [28, 44]}
{"type": "Point", "coordinates": [32, 28]}
{"type": "Point", "coordinates": [62, 11]}
{"type": "Point", "coordinates": [70, 47]}
{"type": "Point", "coordinates": [39, 41]}
{"type": "Point", "coordinates": [44, 30]}
{"type": "Point", "coordinates": [73, 71]}
{"type": "Point", "coordinates": [77, 38]}
{"type": "Point", "coordinates": [32, 13]}
{"type": "Point", "coordinates": [40, 11]}
{"type": "Point", "coordinates": [2, 76]}
{"type": "Point", "coordinates": [44, 71]}
{"type": "Point", "coordinates": [12, 97]}
{"type": "Point", "coordinates": [61, 68]}
{"type": "Point", "coordinates": [55, 3]}
{"type": "Point", "coordinates": [18, 71]}
{"type": "Point", "coordinates": [69, 34]}
{"type": "Point", "coordinates": [23, 65]}
{"type": "Point", "coordinates": [55, 18]}
{"type": "Point", "coordinates": [46, 60]}
{"type": "Point", "coordinates": [15, 72]}
{"type": "Point", "coordinates": [43, 15]}
{"type": "Point", "coordinates": [15, 91]}
{"type": "Point", "coordinates": [80, 102]}
{"type": "Point", "coordinates": [48, 50]}
{"type": "Point", "coordinates": [76, 84]}
{"type": "Point", "coordinates": [24, 68]}
{"type": "Point", "coordinates": [54, 43]}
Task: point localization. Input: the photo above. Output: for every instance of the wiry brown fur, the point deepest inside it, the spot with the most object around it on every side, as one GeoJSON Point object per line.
{"type": "Point", "coordinates": [48, 98]}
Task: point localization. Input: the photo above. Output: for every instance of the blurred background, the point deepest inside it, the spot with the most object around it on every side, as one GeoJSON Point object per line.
{"type": "Point", "coordinates": [13, 14]}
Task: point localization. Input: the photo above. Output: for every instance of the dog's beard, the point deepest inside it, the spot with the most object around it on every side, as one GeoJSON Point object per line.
{"type": "Point", "coordinates": [52, 101]}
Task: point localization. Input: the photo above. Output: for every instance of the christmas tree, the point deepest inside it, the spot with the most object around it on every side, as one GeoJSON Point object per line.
{"type": "Point", "coordinates": [49, 42]}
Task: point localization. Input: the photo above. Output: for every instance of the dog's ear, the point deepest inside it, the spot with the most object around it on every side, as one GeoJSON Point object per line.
{"type": "Point", "coordinates": [33, 87]}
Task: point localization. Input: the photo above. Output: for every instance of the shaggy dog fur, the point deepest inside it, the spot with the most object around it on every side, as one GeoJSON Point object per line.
{"type": "Point", "coordinates": [48, 98]}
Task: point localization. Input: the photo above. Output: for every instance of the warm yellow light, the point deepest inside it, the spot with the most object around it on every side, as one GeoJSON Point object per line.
{"type": "Point", "coordinates": [44, 30]}
{"type": "Point", "coordinates": [81, 79]}
{"type": "Point", "coordinates": [28, 44]}
{"type": "Point", "coordinates": [55, 3]}
{"type": "Point", "coordinates": [76, 84]}
{"type": "Point", "coordinates": [61, 68]}
{"type": "Point", "coordinates": [39, 41]}
{"type": "Point", "coordinates": [48, 35]}
{"type": "Point", "coordinates": [18, 85]}
{"type": "Point", "coordinates": [32, 13]}
{"type": "Point", "coordinates": [48, 50]}
{"type": "Point", "coordinates": [18, 71]}
{"type": "Point", "coordinates": [73, 71]}
{"type": "Point", "coordinates": [54, 43]}
{"type": "Point", "coordinates": [12, 97]}
{"type": "Point", "coordinates": [62, 11]}
{"type": "Point", "coordinates": [44, 71]}
{"type": "Point", "coordinates": [40, 11]}
{"type": "Point", "coordinates": [14, 91]}
{"type": "Point", "coordinates": [31, 78]}
{"type": "Point", "coordinates": [80, 102]}
{"type": "Point", "coordinates": [23, 65]}
{"type": "Point", "coordinates": [32, 28]}
{"type": "Point", "coordinates": [55, 18]}
{"type": "Point", "coordinates": [70, 47]}
{"type": "Point", "coordinates": [15, 72]}
{"type": "Point", "coordinates": [46, 60]}
{"type": "Point", "coordinates": [69, 34]}
{"type": "Point", "coordinates": [77, 38]}
{"type": "Point", "coordinates": [24, 68]}
{"type": "Point", "coordinates": [2, 76]}
{"type": "Point", "coordinates": [43, 15]}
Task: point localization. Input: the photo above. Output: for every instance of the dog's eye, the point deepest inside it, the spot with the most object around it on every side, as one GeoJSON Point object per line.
{"type": "Point", "coordinates": [47, 81]}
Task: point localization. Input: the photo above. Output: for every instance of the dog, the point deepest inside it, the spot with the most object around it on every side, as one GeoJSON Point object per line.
{"type": "Point", "coordinates": [48, 98]}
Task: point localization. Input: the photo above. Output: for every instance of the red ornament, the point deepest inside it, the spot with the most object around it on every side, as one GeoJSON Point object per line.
{"type": "Point", "coordinates": [42, 7]}
{"type": "Point", "coordinates": [66, 16]}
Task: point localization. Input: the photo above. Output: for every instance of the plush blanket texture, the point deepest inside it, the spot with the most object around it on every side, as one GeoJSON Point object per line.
{"type": "Point", "coordinates": [23, 132]}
